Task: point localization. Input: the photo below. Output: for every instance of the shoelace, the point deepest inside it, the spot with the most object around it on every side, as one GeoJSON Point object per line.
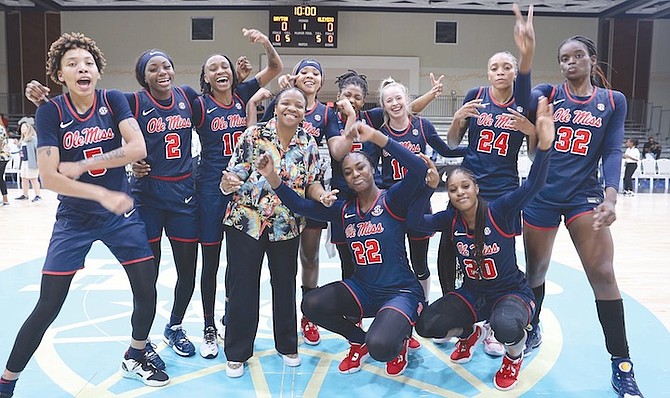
{"type": "Point", "coordinates": [210, 336]}
{"type": "Point", "coordinates": [508, 369]}
{"type": "Point", "coordinates": [309, 326]}
{"type": "Point", "coordinates": [180, 336]}
{"type": "Point", "coordinates": [628, 383]}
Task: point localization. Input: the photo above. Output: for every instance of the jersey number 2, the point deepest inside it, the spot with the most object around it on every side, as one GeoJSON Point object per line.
{"type": "Point", "coordinates": [172, 146]}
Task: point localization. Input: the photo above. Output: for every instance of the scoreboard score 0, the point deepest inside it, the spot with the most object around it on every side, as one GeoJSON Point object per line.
{"type": "Point", "coordinates": [303, 26]}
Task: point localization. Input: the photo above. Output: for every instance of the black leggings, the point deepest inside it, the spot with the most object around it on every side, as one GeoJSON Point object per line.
{"type": "Point", "coordinates": [333, 307]}
{"type": "Point", "coordinates": [54, 290]}
{"type": "Point", "coordinates": [418, 254]}
{"type": "Point", "coordinates": [446, 264]}
{"type": "Point", "coordinates": [3, 183]}
{"type": "Point", "coordinates": [185, 256]}
{"type": "Point", "coordinates": [210, 266]}
{"type": "Point", "coordinates": [509, 318]}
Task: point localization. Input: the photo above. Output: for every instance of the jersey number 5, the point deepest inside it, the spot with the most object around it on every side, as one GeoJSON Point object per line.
{"type": "Point", "coordinates": [88, 154]}
{"type": "Point", "coordinates": [367, 252]}
{"type": "Point", "coordinates": [488, 142]}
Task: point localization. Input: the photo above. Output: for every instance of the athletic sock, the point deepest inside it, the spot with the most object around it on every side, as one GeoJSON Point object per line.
{"type": "Point", "coordinates": [610, 314]}
{"type": "Point", "coordinates": [134, 353]}
{"type": "Point", "coordinates": [7, 386]}
{"type": "Point", "coordinates": [539, 299]}
{"type": "Point", "coordinates": [209, 321]}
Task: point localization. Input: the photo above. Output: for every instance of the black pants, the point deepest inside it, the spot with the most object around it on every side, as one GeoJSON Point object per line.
{"type": "Point", "coordinates": [627, 174]}
{"type": "Point", "coordinates": [245, 258]}
{"type": "Point", "coordinates": [3, 184]}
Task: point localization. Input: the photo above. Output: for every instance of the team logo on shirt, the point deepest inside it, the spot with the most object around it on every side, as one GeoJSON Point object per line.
{"type": "Point", "coordinates": [238, 106]}
{"type": "Point", "coordinates": [415, 132]}
{"type": "Point", "coordinates": [317, 118]}
{"type": "Point", "coordinates": [377, 210]}
{"type": "Point", "coordinates": [182, 106]}
{"type": "Point", "coordinates": [601, 107]}
{"type": "Point", "coordinates": [487, 231]}
{"type": "Point", "coordinates": [103, 110]}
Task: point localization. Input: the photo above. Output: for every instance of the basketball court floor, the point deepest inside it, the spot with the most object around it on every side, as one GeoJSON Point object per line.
{"type": "Point", "coordinates": [81, 352]}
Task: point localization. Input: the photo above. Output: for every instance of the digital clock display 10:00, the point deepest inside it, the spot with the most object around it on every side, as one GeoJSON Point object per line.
{"type": "Point", "coordinates": [303, 26]}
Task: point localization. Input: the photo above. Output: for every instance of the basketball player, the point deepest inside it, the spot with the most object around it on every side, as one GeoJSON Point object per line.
{"type": "Point", "coordinates": [589, 129]}
{"type": "Point", "coordinates": [493, 286]}
{"type": "Point", "coordinates": [221, 118]}
{"type": "Point", "coordinates": [86, 137]}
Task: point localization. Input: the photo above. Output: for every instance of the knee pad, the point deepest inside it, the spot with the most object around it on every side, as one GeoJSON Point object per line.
{"type": "Point", "coordinates": [449, 312]}
{"type": "Point", "coordinates": [509, 319]}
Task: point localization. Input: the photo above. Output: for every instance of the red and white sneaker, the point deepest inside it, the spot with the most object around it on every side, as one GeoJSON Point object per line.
{"type": "Point", "coordinates": [466, 347]}
{"type": "Point", "coordinates": [492, 346]}
{"type": "Point", "coordinates": [310, 332]}
{"type": "Point", "coordinates": [414, 344]}
{"type": "Point", "coordinates": [397, 365]}
{"type": "Point", "coordinates": [358, 353]}
{"type": "Point", "coordinates": [506, 377]}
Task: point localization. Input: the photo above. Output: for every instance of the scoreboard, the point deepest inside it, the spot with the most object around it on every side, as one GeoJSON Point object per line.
{"type": "Point", "coordinates": [303, 26]}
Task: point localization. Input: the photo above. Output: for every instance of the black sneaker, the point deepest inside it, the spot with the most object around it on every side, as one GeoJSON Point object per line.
{"type": "Point", "coordinates": [144, 371]}
{"type": "Point", "coordinates": [533, 340]}
{"type": "Point", "coordinates": [623, 379]}
{"type": "Point", "coordinates": [36, 199]}
{"type": "Point", "coordinates": [152, 356]}
{"type": "Point", "coordinates": [22, 197]}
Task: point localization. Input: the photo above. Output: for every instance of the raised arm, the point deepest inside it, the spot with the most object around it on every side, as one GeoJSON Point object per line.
{"type": "Point", "coordinates": [275, 66]}
{"type": "Point", "coordinates": [436, 86]}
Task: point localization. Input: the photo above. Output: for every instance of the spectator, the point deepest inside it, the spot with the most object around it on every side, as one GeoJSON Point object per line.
{"type": "Point", "coordinates": [631, 159]}
{"type": "Point", "coordinates": [29, 171]}
{"type": "Point", "coordinates": [4, 159]}
{"type": "Point", "coordinates": [651, 149]}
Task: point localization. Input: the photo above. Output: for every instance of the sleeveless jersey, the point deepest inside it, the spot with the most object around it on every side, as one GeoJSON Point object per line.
{"type": "Point", "coordinates": [80, 137]}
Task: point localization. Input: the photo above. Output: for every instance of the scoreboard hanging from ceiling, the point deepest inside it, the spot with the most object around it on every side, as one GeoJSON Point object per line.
{"type": "Point", "coordinates": [303, 26]}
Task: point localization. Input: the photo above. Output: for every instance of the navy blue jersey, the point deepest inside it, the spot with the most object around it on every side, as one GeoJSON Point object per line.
{"type": "Point", "coordinates": [81, 136]}
{"type": "Point", "coordinates": [167, 129]}
{"type": "Point", "coordinates": [376, 238]}
{"type": "Point", "coordinates": [493, 145]}
{"type": "Point", "coordinates": [219, 127]}
{"type": "Point", "coordinates": [416, 137]}
{"type": "Point", "coordinates": [373, 117]}
{"type": "Point", "coordinates": [588, 129]}
{"type": "Point", "coordinates": [498, 272]}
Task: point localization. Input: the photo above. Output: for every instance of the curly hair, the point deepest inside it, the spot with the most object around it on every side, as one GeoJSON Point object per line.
{"type": "Point", "coordinates": [71, 41]}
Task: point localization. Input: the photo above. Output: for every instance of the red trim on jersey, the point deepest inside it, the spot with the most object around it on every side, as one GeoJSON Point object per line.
{"type": "Point", "coordinates": [423, 133]}
{"type": "Point", "coordinates": [552, 94]}
{"type": "Point", "coordinates": [136, 111]}
{"type": "Point", "coordinates": [397, 309]}
{"type": "Point", "coordinates": [155, 102]}
{"type": "Point", "coordinates": [138, 260]}
{"type": "Point", "coordinates": [390, 211]}
{"type": "Point", "coordinates": [495, 225]}
{"type": "Point", "coordinates": [505, 105]}
{"type": "Point", "coordinates": [422, 238]}
{"type": "Point", "coordinates": [394, 132]}
{"type": "Point", "coordinates": [576, 101]}
{"type": "Point", "coordinates": [479, 93]}
{"type": "Point", "coordinates": [90, 111]}
{"type": "Point", "coordinates": [188, 102]}
{"type": "Point", "coordinates": [360, 307]}
{"type": "Point", "coordinates": [210, 243]}
{"type": "Point", "coordinates": [573, 218]}
{"type": "Point", "coordinates": [184, 240]}
{"type": "Point", "coordinates": [61, 273]}
{"type": "Point", "coordinates": [359, 212]}
{"type": "Point", "coordinates": [104, 96]}
{"type": "Point", "coordinates": [165, 178]}
{"type": "Point", "coordinates": [60, 112]}
{"type": "Point", "coordinates": [611, 98]}
{"type": "Point", "coordinates": [201, 122]}
{"type": "Point", "coordinates": [467, 303]}
{"type": "Point", "coordinates": [309, 112]}
{"type": "Point", "coordinates": [529, 225]}
{"type": "Point", "coordinates": [154, 240]}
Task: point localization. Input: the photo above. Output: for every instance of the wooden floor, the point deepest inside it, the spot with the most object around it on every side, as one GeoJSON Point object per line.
{"type": "Point", "coordinates": [641, 241]}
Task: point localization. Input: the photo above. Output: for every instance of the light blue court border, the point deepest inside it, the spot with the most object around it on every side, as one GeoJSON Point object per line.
{"type": "Point", "coordinates": [82, 350]}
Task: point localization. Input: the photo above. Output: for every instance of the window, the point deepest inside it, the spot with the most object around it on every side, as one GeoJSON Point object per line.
{"type": "Point", "coordinates": [446, 32]}
{"type": "Point", "coordinates": [202, 29]}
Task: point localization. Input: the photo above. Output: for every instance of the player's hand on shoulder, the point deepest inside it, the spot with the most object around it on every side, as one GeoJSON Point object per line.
{"type": "Point", "coordinates": [141, 169]}
{"type": "Point", "coordinates": [117, 202]}
{"type": "Point", "coordinates": [36, 92]}
{"type": "Point", "coordinates": [544, 124]}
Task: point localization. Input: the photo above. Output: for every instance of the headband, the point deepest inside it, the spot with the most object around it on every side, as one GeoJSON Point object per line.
{"type": "Point", "coordinates": [307, 62]}
{"type": "Point", "coordinates": [147, 56]}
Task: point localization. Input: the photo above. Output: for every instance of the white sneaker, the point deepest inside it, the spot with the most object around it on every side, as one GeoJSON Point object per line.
{"type": "Point", "coordinates": [209, 348]}
{"type": "Point", "coordinates": [441, 340]}
{"type": "Point", "coordinates": [234, 369]}
{"type": "Point", "coordinates": [144, 371]}
{"type": "Point", "coordinates": [291, 360]}
{"type": "Point", "coordinates": [492, 346]}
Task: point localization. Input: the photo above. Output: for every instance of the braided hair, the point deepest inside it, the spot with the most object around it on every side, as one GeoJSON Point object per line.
{"type": "Point", "coordinates": [352, 77]}
{"type": "Point", "coordinates": [597, 74]}
{"type": "Point", "coordinates": [480, 221]}
{"type": "Point", "coordinates": [205, 87]}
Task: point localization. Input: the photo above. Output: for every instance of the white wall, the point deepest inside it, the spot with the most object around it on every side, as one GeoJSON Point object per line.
{"type": "Point", "coordinates": [659, 87]}
{"type": "Point", "coordinates": [123, 35]}
{"type": "Point", "coordinates": [3, 55]}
